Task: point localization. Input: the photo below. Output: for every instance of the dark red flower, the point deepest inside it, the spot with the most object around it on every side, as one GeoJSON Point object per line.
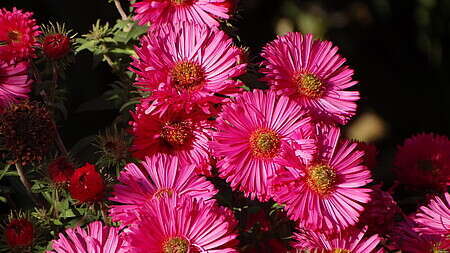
{"type": "Point", "coordinates": [60, 170]}
{"type": "Point", "coordinates": [56, 46]}
{"type": "Point", "coordinates": [19, 233]}
{"type": "Point", "coordinates": [86, 184]}
{"type": "Point", "coordinates": [370, 154]}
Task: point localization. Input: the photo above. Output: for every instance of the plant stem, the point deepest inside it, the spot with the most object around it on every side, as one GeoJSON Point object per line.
{"type": "Point", "coordinates": [59, 141]}
{"type": "Point", "coordinates": [120, 9]}
{"type": "Point", "coordinates": [24, 180]}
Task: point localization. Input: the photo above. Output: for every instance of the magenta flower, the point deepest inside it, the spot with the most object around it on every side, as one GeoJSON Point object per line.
{"type": "Point", "coordinates": [185, 65]}
{"type": "Point", "coordinates": [351, 240]}
{"type": "Point", "coordinates": [158, 177]}
{"type": "Point", "coordinates": [324, 193]}
{"type": "Point", "coordinates": [311, 72]}
{"type": "Point", "coordinates": [250, 132]}
{"type": "Point", "coordinates": [95, 238]}
{"type": "Point", "coordinates": [202, 12]}
{"type": "Point", "coordinates": [183, 224]}
{"type": "Point", "coordinates": [434, 219]}
{"type": "Point", "coordinates": [424, 156]}
{"type": "Point", "coordinates": [18, 32]}
{"type": "Point", "coordinates": [379, 213]}
{"type": "Point", "coordinates": [408, 240]}
{"type": "Point", "coordinates": [14, 82]}
{"type": "Point", "coordinates": [173, 133]}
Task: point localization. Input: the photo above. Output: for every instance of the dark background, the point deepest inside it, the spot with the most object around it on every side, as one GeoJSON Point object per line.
{"type": "Point", "coordinates": [398, 48]}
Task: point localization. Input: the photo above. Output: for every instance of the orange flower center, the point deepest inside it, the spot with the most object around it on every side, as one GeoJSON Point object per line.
{"type": "Point", "coordinates": [309, 85]}
{"type": "Point", "coordinates": [14, 36]}
{"type": "Point", "coordinates": [163, 193]}
{"type": "Point", "coordinates": [175, 245]}
{"type": "Point", "coordinates": [265, 143]}
{"type": "Point", "coordinates": [180, 2]}
{"type": "Point", "coordinates": [187, 76]}
{"type": "Point", "coordinates": [321, 178]}
{"type": "Point", "coordinates": [177, 133]}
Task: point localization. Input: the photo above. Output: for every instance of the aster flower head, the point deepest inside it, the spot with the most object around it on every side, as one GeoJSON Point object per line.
{"type": "Point", "coordinates": [379, 214]}
{"type": "Point", "coordinates": [158, 177]}
{"type": "Point", "coordinates": [201, 12]}
{"type": "Point", "coordinates": [15, 83]}
{"type": "Point", "coordinates": [19, 232]}
{"type": "Point", "coordinates": [56, 41]}
{"type": "Point", "coordinates": [18, 32]}
{"type": "Point", "coordinates": [175, 133]}
{"type": "Point", "coordinates": [325, 193]}
{"type": "Point", "coordinates": [434, 218]}
{"type": "Point", "coordinates": [183, 225]}
{"type": "Point", "coordinates": [185, 65]}
{"type": "Point", "coordinates": [408, 240]}
{"type": "Point", "coordinates": [348, 241]}
{"type": "Point", "coordinates": [60, 171]}
{"type": "Point", "coordinates": [27, 132]}
{"type": "Point", "coordinates": [250, 133]}
{"type": "Point", "coordinates": [424, 156]}
{"type": "Point", "coordinates": [87, 185]}
{"type": "Point", "coordinates": [96, 237]}
{"type": "Point", "coordinates": [313, 73]}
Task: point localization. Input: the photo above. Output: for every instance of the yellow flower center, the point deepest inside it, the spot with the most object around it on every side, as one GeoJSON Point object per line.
{"type": "Point", "coordinates": [164, 192]}
{"type": "Point", "coordinates": [265, 143]}
{"type": "Point", "coordinates": [187, 76]}
{"type": "Point", "coordinates": [340, 251]}
{"type": "Point", "coordinates": [175, 245]}
{"type": "Point", "coordinates": [177, 133]}
{"type": "Point", "coordinates": [14, 36]}
{"type": "Point", "coordinates": [321, 178]}
{"type": "Point", "coordinates": [179, 2]}
{"type": "Point", "coordinates": [309, 85]}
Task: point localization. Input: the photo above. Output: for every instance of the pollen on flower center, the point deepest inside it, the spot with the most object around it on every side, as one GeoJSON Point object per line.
{"type": "Point", "coordinates": [179, 2]}
{"type": "Point", "coordinates": [265, 143]}
{"type": "Point", "coordinates": [175, 245]}
{"type": "Point", "coordinates": [321, 178]}
{"type": "Point", "coordinates": [340, 251]}
{"type": "Point", "coordinates": [177, 133]}
{"type": "Point", "coordinates": [164, 192]}
{"type": "Point", "coordinates": [309, 85]}
{"type": "Point", "coordinates": [14, 36]}
{"type": "Point", "coordinates": [187, 75]}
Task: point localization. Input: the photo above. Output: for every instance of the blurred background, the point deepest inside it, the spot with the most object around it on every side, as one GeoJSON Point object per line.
{"type": "Point", "coordinates": [398, 48]}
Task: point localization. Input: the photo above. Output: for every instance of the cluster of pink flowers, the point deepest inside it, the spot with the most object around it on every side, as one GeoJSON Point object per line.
{"type": "Point", "coordinates": [20, 39]}
{"type": "Point", "coordinates": [282, 144]}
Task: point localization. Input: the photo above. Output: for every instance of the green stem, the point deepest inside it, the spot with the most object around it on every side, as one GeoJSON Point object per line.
{"type": "Point", "coordinates": [25, 182]}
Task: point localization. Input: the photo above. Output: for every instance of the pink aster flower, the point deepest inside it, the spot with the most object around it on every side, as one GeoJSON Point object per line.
{"type": "Point", "coordinates": [18, 33]}
{"type": "Point", "coordinates": [408, 240]}
{"type": "Point", "coordinates": [183, 224]}
{"type": "Point", "coordinates": [95, 238]}
{"type": "Point", "coordinates": [185, 65]}
{"type": "Point", "coordinates": [174, 133]}
{"type": "Point", "coordinates": [379, 214]}
{"type": "Point", "coordinates": [250, 132]}
{"type": "Point", "coordinates": [311, 72]}
{"type": "Point", "coordinates": [324, 193]}
{"type": "Point", "coordinates": [202, 12]}
{"type": "Point", "coordinates": [159, 176]}
{"type": "Point", "coordinates": [352, 240]}
{"type": "Point", "coordinates": [14, 82]}
{"type": "Point", "coordinates": [424, 156]}
{"type": "Point", "coordinates": [434, 219]}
